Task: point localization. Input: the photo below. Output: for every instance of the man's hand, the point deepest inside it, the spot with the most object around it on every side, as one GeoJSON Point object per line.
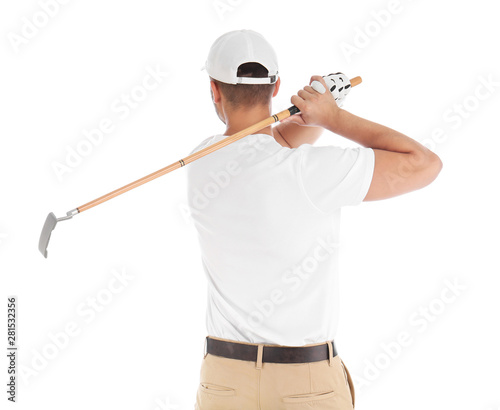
{"type": "Point", "coordinates": [316, 109]}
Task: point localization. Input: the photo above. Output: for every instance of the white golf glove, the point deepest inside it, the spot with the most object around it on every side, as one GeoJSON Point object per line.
{"type": "Point", "coordinates": [338, 84]}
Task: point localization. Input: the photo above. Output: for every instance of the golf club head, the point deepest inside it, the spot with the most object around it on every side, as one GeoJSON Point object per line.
{"type": "Point", "coordinates": [48, 227]}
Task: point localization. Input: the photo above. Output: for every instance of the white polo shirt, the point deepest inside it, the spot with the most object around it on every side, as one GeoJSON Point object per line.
{"type": "Point", "coordinates": [267, 219]}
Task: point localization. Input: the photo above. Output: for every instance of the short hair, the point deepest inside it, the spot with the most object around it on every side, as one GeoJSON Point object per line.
{"type": "Point", "coordinates": [243, 95]}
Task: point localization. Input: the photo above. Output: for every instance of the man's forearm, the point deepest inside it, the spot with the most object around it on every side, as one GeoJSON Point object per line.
{"type": "Point", "coordinates": [295, 135]}
{"type": "Point", "coordinates": [372, 135]}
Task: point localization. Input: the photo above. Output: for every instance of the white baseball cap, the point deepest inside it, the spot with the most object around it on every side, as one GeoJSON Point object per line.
{"type": "Point", "coordinates": [238, 47]}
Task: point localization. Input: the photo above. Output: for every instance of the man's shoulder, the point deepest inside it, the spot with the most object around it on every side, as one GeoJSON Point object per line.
{"type": "Point", "coordinates": [205, 143]}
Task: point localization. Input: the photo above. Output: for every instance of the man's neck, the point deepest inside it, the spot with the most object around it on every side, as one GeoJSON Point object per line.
{"type": "Point", "coordinates": [240, 119]}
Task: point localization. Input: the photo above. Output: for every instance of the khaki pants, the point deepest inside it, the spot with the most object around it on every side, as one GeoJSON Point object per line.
{"type": "Point", "coordinates": [230, 384]}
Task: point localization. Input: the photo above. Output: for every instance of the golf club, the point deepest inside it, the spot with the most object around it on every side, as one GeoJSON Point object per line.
{"type": "Point", "coordinates": [52, 220]}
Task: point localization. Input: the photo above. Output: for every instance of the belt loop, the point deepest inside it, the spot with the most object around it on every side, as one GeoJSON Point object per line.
{"type": "Point", "coordinates": [330, 353]}
{"type": "Point", "coordinates": [205, 348]}
{"type": "Point", "coordinates": [260, 350]}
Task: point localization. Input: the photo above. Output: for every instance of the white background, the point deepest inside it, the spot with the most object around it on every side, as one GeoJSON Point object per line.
{"type": "Point", "coordinates": [420, 62]}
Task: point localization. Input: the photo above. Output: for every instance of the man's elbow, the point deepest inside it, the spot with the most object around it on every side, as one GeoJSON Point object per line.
{"type": "Point", "coordinates": [430, 167]}
{"type": "Point", "coordinates": [435, 165]}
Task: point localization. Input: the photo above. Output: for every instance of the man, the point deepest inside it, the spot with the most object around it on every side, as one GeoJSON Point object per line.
{"type": "Point", "coordinates": [267, 209]}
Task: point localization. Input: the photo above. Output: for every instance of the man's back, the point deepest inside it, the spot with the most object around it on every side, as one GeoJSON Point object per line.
{"type": "Point", "coordinates": [267, 219]}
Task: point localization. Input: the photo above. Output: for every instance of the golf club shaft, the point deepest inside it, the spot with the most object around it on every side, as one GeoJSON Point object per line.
{"type": "Point", "coordinates": [201, 153]}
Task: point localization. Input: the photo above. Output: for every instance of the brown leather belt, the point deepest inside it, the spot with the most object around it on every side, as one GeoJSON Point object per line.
{"type": "Point", "coordinates": [270, 354]}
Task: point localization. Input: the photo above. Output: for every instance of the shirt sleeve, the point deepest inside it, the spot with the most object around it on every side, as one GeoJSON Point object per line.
{"type": "Point", "coordinates": [333, 177]}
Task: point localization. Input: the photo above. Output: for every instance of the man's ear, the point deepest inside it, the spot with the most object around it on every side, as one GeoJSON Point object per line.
{"type": "Point", "coordinates": [215, 92]}
{"type": "Point", "coordinates": [277, 87]}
